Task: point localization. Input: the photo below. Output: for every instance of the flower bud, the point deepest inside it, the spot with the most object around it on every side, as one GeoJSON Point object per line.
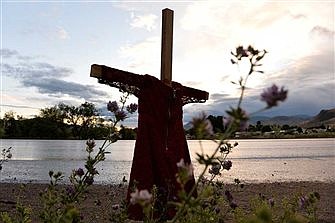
{"type": "Point", "coordinates": [112, 106]}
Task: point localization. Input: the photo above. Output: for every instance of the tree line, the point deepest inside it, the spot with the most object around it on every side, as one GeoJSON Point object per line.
{"type": "Point", "coordinates": [64, 121]}
{"type": "Point", "coordinates": [218, 126]}
{"type": "Point", "coordinates": [61, 121]}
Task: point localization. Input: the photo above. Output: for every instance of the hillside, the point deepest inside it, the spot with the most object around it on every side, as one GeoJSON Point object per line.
{"type": "Point", "coordinates": [325, 117]}
{"type": "Point", "coordinates": [281, 120]}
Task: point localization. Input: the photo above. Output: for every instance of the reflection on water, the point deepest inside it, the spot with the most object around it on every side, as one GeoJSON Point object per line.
{"type": "Point", "coordinates": [253, 160]}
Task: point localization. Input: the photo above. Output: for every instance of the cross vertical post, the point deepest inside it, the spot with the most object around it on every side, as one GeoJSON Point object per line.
{"type": "Point", "coordinates": [167, 41]}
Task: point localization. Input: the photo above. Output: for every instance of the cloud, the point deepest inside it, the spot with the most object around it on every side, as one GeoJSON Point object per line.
{"type": "Point", "coordinates": [226, 19]}
{"type": "Point", "coordinates": [46, 31]}
{"type": "Point", "coordinates": [34, 70]}
{"type": "Point", "coordinates": [298, 16]}
{"type": "Point", "coordinates": [7, 53]}
{"type": "Point", "coordinates": [323, 31]}
{"type": "Point", "coordinates": [309, 79]}
{"type": "Point", "coordinates": [46, 78]}
{"type": "Point", "coordinates": [144, 56]}
{"type": "Point", "coordinates": [18, 106]}
{"type": "Point", "coordinates": [55, 88]}
{"type": "Point", "coordinates": [218, 96]}
{"type": "Point", "coordinates": [306, 72]}
{"type": "Point", "coordinates": [61, 33]}
{"type": "Point", "coordinates": [300, 44]}
{"type": "Point", "coordinates": [147, 21]}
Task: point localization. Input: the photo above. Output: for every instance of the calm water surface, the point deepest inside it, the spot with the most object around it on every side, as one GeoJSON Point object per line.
{"type": "Point", "coordinates": [264, 160]}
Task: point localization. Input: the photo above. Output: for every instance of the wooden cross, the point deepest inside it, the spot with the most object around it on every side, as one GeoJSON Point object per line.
{"type": "Point", "coordinates": [167, 43]}
{"type": "Point", "coordinates": [161, 141]}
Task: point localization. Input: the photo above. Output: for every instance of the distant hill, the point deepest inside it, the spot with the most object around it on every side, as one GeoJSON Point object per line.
{"type": "Point", "coordinates": [325, 117]}
{"type": "Point", "coordinates": [280, 120]}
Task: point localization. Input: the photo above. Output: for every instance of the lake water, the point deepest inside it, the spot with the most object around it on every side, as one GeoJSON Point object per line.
{"type": "Point", "coordinates": [264, 160]}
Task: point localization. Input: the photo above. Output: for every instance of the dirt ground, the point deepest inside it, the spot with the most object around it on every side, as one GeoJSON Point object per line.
{"type": "Point", "coordinates": [100, 198]}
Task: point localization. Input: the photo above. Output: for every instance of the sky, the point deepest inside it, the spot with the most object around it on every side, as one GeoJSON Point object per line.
{"type": "Point", "coordinates": [47, 48]}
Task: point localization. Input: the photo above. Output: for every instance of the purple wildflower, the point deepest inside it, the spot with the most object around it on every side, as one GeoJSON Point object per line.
{"type": "Point", "coordinates": [89, 180]}
{"type": "Point", "coordinates": [9, 155]}
{"type": "Point", "coordinates": [202, 127]}
{"type": "Point", "coordinates": [79, 172]}
{"type": "Point", "coordinates": [302, 201]}
{"type": "Point", "coordinates": [132, 108]}
{"type": "Point", "coordinates": [215, 169]}
{"type": "Point", "coordinates": [273, 94]}
{"type": "Point", "coordinates": [208, 127]}
{"type": "Point", "coordinates": [112, 106]}
{"type": "Point", "coordinates": [70, 191]}
{"type": "Point", "coordinates": [227, 164]}
{"type": "Point", "coordinates": [238, 118]}
{"type": "Point", "coordinates": [240, 52]}
{"type": "Point", "coordinates": [90, 145]}
{"type": "Point", "coordinates": [120, 115]}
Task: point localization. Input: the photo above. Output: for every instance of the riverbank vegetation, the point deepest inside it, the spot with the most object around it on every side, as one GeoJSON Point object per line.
{"type": "Point", "coordinates": [61, 121]}
{"type": "Point", "coordinates": [64, 121]}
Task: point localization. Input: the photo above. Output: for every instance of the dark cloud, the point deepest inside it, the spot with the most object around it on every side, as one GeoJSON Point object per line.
{"type": "Point", "coordinates": [7, 53]}
{"type": "Point", "coordinates": [46, 78]}
{"type": "Point", "coordinates": [217, 96]}
{"type": "Point", "coordinates": [304, 101]}
{"type": "Point", "coordinates": [312, 69]}
{"type": "Point", "coordinates": [55, 87]}
{"type": "Point", "coordinates": [192, 83]}
{"type": "Point", "coordinates": [19, 106]}
{"type": "Point", "coordinates": [298, 16]}
{"type": "Point", "coordinates": [306, 73]}
{"type": "Point", "coordinates": [34, 70]}
{"type": "Point", "coordinates": [323, 31]}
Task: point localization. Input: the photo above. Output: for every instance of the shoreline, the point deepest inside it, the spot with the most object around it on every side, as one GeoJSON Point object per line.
{"type": "Point", "coordinates": [312, 136]}
{"type": "Point", "coordinates": [100, 198]}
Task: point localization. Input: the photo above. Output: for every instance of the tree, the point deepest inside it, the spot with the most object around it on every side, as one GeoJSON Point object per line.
{"type": "Point", "coordinates": [81, 118]}
{"type": "Point", "coordinates": [285, 127]}
{"type": "Point", "coordinates": [251, 128]}
{"type": "Point", "coordinates": [52, 113]}
{"type": "Point", "coordinates": [299, 130]}
{"type": "Point", "coordinates": [10, 125]}
{"type": "Point", "coordinates": [266, 128]}
{"type": "Point", "coordinates": [2, 131]}
{"type": "Point", "coordinates": [217, 123]}
{"type": "Point", "coordinates": [88, 116]}
{"type": "Point", "coordinates": [127, 133]}
{"type": "Point", "coordinates": [259, 126]}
